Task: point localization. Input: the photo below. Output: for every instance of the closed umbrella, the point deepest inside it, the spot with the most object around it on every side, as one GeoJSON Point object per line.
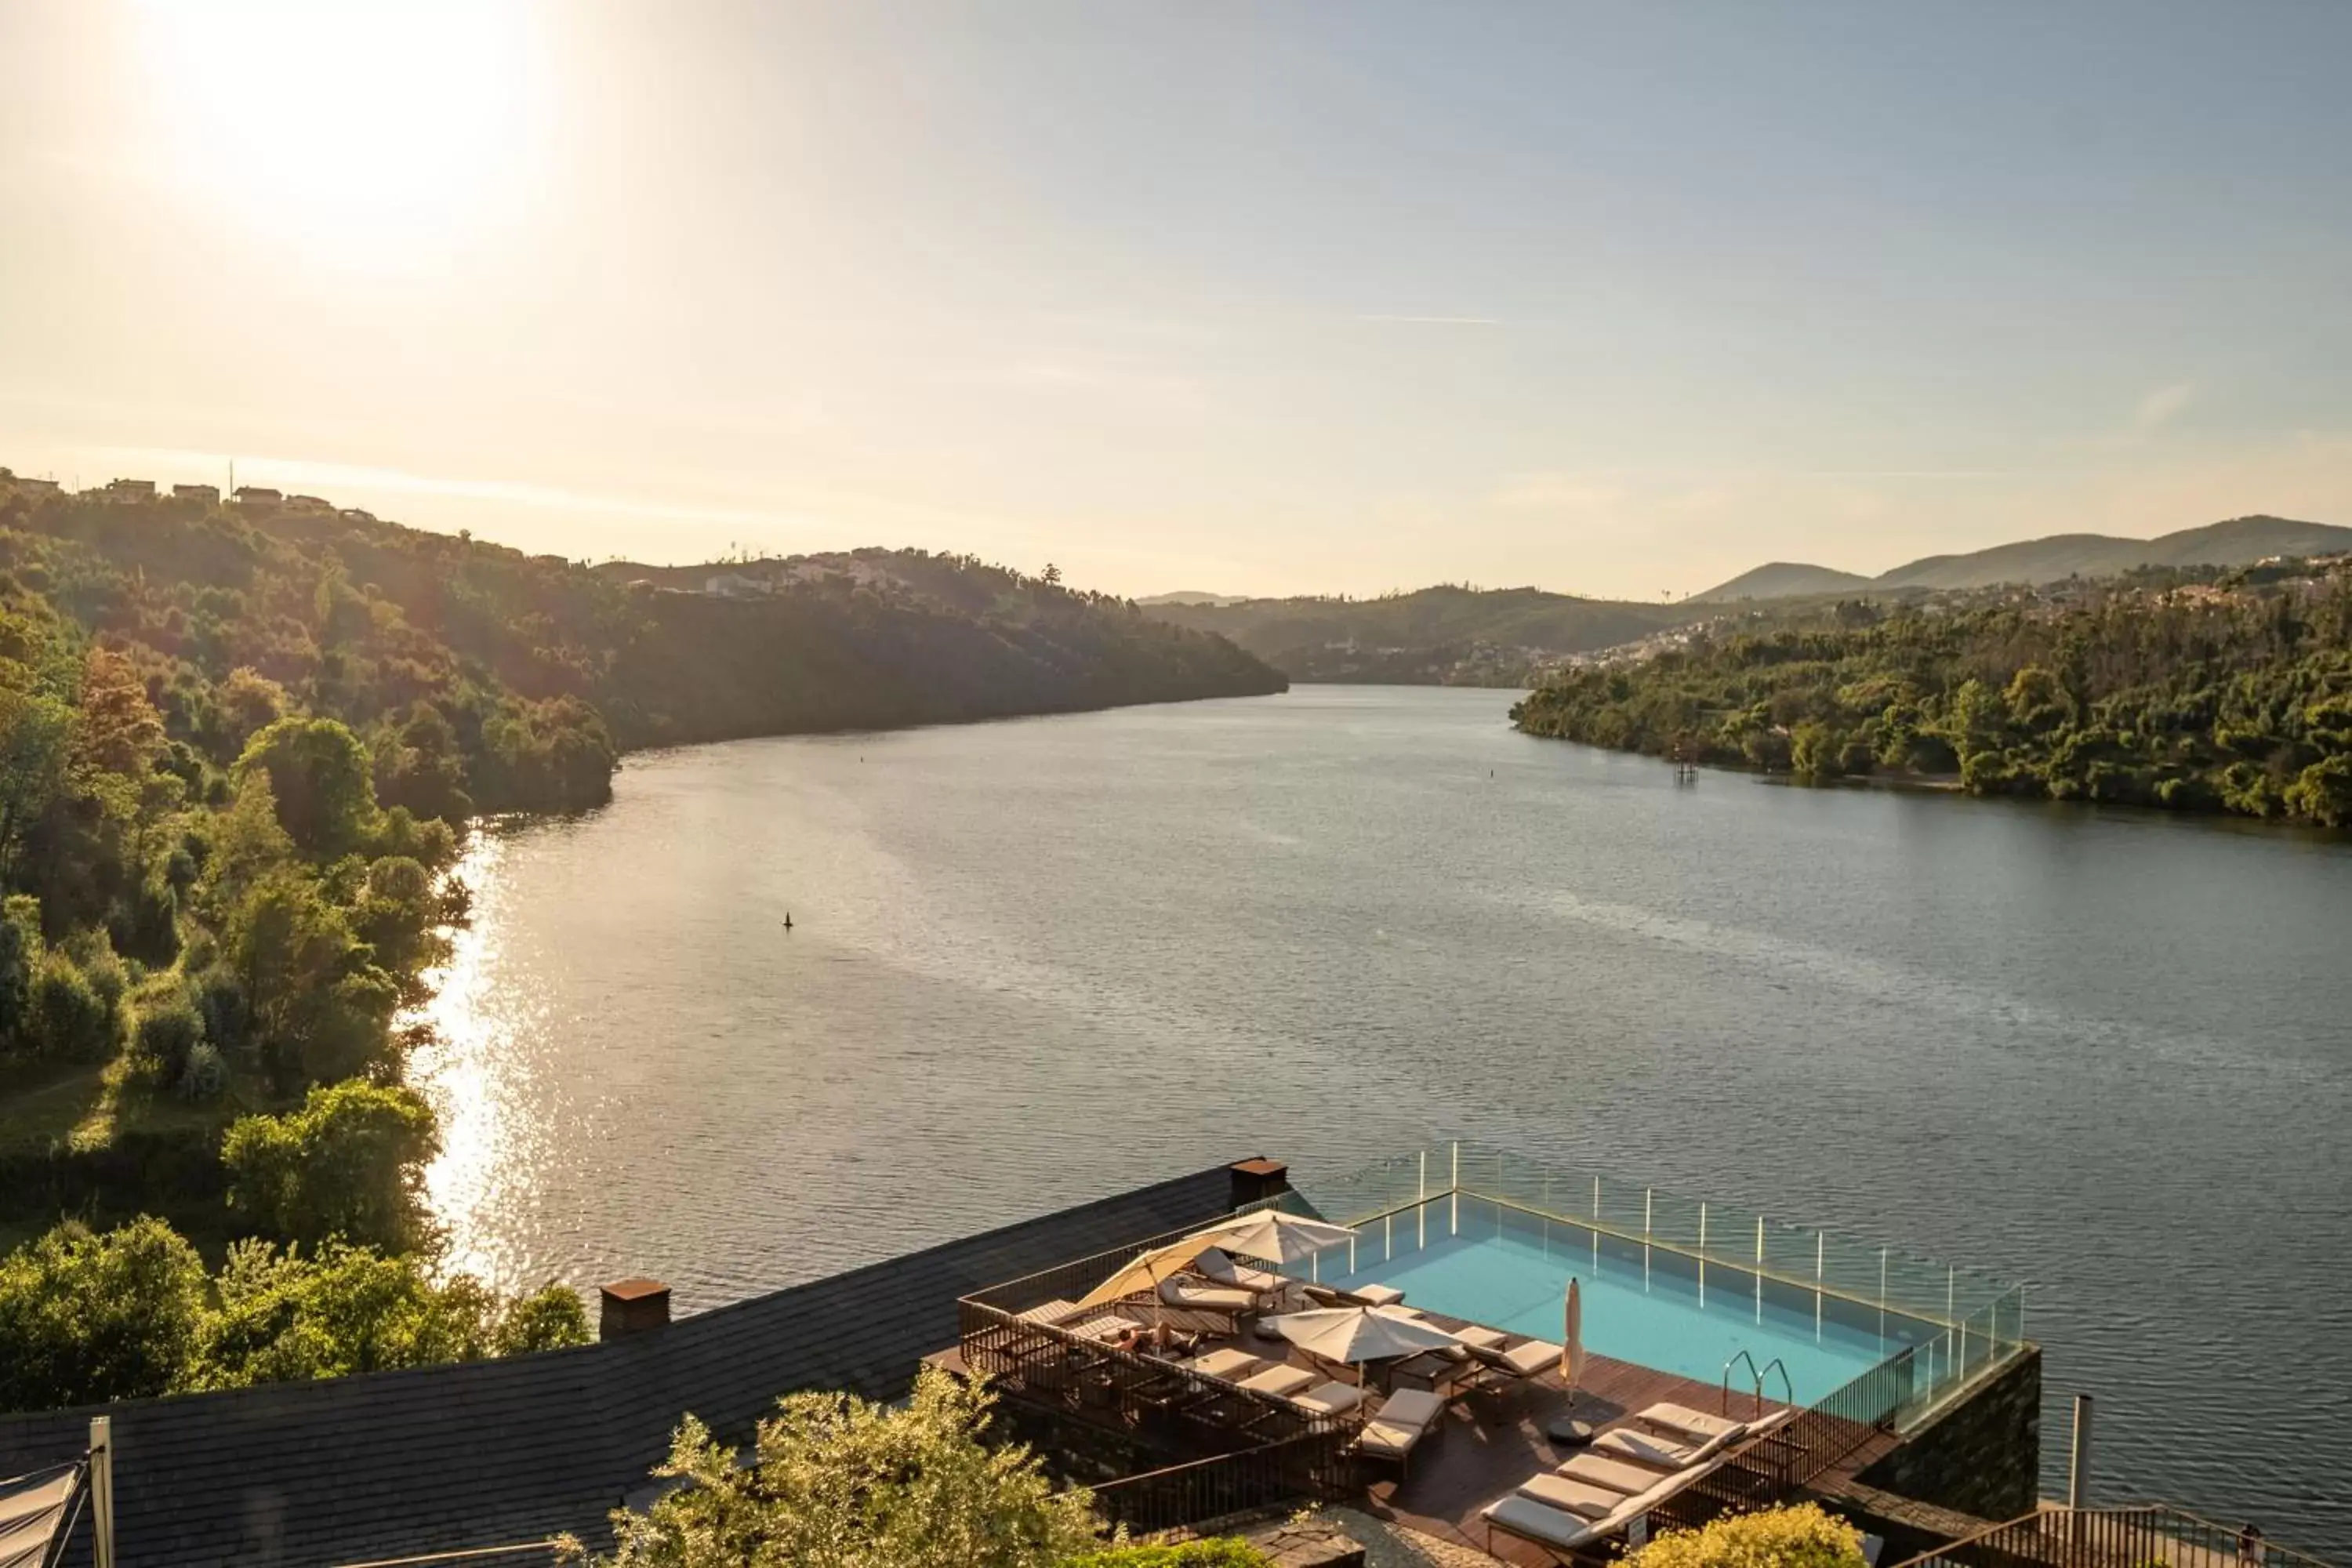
{"type": "Point", "coordinates": [1571, 1364]}
{"type": "Point", "coordinates": [1271, 1236]}
{"type": "Point", "coordinates": [1356, 1335]}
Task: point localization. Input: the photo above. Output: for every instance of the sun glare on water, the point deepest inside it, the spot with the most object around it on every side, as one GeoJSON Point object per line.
{"type": "Point", "coordinates": [367, 128]}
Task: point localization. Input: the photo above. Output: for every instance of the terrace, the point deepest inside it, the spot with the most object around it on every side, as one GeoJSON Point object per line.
{"type": "Point", "coordinates": [1797, 1361]}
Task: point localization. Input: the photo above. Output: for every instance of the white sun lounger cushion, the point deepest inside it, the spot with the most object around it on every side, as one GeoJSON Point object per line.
{"type": "Point", "coordinates": [1575, 1497]}
{"type": "Point", "coordinates": [1484, 1338]}
{"type": "Point", "coordinates": [1279, 1381]}
{"type": "Point", "coordinates": [1692, 1425]}
{"type": "Point", "coordinates": [1401, 1420]}
{"type": "Point", "coordinates": [1330, 1398]}
{"type": "Point", "coordinates": [1177, 1293]}
{"type": "Point", "coordinates": [1645, 1448]}
{"type": "Point", "coordinates": [1223, 1271]}
{"type": "Point", "coordinates": [1378, 1295]}
{"type": "Point", "coordinates": [1228, 1363]}
{"type": "Point", "coordinates": [1615, 1474]}
{"type": "Point", "coordinates": [1532, 1357]}
{"type": "Point", "coordinates": [1526, 1517]}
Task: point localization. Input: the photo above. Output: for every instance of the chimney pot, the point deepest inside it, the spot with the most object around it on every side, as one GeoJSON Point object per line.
{"type": "Point", "coordinates": [631, 1306]}
{"type": "Point", "coordinates": [1255, 1180]}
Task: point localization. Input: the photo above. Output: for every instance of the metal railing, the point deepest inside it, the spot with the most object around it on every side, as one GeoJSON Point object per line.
{"type": "Point", "coordinates": [1226, 1484]}
{"type": "Point", "coordinates": [2138, 1536]}
{"type": "Point", "coordinates": [1971, 1323]}
{"type": "Point", "coordinates": [1836, 1426]}
{"type": "Point", "coordinates": [1811, 1257]}
{"type": "Point", "coordinates": [484, 1556]}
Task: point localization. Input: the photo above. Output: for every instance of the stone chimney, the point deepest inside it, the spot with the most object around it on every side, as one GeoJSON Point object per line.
{"type": "Point", "coordinates": [631, 1305]}
{"type": "Point", "coordinates": [1255, 1180]}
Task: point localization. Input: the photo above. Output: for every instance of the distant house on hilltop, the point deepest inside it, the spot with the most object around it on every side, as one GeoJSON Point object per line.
{"type": "Point", "coordinates": [208, 494]}
{"type": "Point", "coordinates": [131, 489]}
{"type": "Point", "coordinates": [734, 586]}
{"type": "Point", "coordinates": [32, 487]}
{"type": "Point", "coordinates": [353, 514]}
{"type": "Point", "coordinates": [259, 496]}
{"type": "Point", "coordinates": [309, 503]}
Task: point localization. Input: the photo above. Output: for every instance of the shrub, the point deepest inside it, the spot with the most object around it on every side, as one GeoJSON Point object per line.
{"type": "Point", "coordinates": [1799, 1537]}
{"type": "Point", "coordinates": [834, 1479]}
{"type": "Point", "coordinates": [1226, 1551]}
{"type": "Point", "coordinates": [68, 1019]}
{"type": "Point", "coordinates": [206, 1073]}
{"type": "Point", "coordinates": [84, 1317]}
{"type": "Point", "coordinates": [348, 1165]}
{"type": "Point", "coordinates": [170, 1029]}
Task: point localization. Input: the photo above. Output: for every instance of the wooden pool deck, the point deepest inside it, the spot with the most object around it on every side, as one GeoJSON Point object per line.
{"type": "Point", "coordinates": [1494, 1439]}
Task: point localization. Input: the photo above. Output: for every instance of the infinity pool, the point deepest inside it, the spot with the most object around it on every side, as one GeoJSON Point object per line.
{"type": "Point", "coordinates": [1510, 1268]}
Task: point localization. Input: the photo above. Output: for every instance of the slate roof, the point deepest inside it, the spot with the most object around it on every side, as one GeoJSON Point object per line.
{"type": "Point", "coordinates": [487, 1453]}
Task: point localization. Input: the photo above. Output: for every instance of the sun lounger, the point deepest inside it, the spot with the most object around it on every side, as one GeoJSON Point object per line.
{"type": "Point", "coordinates": [1691, 1425]}
{"type": "Point", "coordinates": [1645, 1448]}
{"type": "Point", "coordinates": [1563, 1532]}
{"type": "Point", "coordinates": [1612, 1475]}
{"type": "Point", "coordinates": [1572, 1496]}
{"type": "Point", "coordinates": [1282, 1381]}
{"type": "Point", "coordinates": [1519, 1363]}
{"type": "Point", "coordinates": [1402, 1420]}
{"type": "Point", "coordinates": [1192, 1297]}
{"type": "Point", "coordinates": [1555, 1530]}
{"type": "Point", "coordinates": [1481, 1336]}
{"type": "Point", "coordinates": [1334, 1398]}
{"type": "Point", "coordinates": [1360, 1296]}
{"type": "Point", "coordinates": [1219, 1269]}
{"type": "Point", "coordinates": [1178, 1292]}
{"type": "Point", "coordinates": [1227, 1363]}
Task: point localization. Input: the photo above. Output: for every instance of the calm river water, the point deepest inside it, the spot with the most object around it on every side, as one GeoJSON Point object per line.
{"type": "Point", "coordinates": [1036, 962]}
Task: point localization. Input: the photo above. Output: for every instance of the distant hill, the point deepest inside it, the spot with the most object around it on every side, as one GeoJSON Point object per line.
{"type": "Point", "coordinates": [1444, 634]}
{"type": "Point", "coordinates": [1782, 580]}
{"type": "Point", "coordinates": [2240, 541]}
{"type": "Point", "coordinates": [1192, 596]}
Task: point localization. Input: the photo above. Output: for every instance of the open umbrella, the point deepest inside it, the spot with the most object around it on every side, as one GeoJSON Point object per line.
{"type": "Point", "coordinates": [1271, 1236]}
{"type": "Point", "coordinates": [1146, 1270]}
{"type": "Point", "coordinates": [1359, 1334]}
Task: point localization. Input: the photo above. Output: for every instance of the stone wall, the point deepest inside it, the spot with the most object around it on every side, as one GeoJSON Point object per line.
{"type": "Point", "coordinates": [1981, 1455]}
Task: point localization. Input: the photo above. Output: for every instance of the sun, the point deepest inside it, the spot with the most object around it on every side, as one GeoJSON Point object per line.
{"type": "Point", "coordinates": [368, 126]}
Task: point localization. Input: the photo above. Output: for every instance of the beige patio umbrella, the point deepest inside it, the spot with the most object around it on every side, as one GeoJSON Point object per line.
{"type": "Point", "coordinates": [1146, 1270]}
{"type": "Point", "coordinates": [1356, 1335]}
{"type": "Point", "coordinates": [1271, 1236]}
{"type": "Point", "coordinates": [1571, 1364]}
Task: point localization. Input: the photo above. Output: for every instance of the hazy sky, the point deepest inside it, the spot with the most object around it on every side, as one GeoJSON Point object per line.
{"type": "Point", "coordinates": [1254, 296]}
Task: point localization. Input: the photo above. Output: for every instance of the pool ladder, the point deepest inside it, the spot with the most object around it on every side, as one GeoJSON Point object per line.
{"type": "Point", "coordinates": [1757, 1376]}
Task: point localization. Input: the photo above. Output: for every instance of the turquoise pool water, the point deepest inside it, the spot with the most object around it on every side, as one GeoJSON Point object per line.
{"type": "Point", "coordinates": [1510, 1269]}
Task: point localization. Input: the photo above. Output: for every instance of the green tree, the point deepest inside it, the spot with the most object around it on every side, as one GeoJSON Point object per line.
{"type": "Point", "coordinates": [284, 1316]}
{"type": "Point", "coordinates": [1802, 1536]}
{"type": "Point", "coordinates": [33, 732]}
{"type": "Point", "coordinates": [836, 1480]}
{"type": "Point", "coordinates": [348, 1164]}
{"type": "Point", "coordinates": [248, 702]}
{"type": "Point", "coordinates": [2323, 792]}
{"type": "Point", "coordinates": [319, 772]}
{"type": "Point", "coordinates": [316, 1007]}
{"type": "Point", "coordinates": [86, 1318]}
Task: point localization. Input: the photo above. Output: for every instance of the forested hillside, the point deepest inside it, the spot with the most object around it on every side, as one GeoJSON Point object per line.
{"type": "Point", "coordinates": [2233, 695]}
{"type": "Point", "coordinates": [1433, 635]}
{"type": "Point", "coordinates": [236, 754]}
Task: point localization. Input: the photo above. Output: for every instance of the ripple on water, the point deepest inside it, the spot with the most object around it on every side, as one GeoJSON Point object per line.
{"type": "Point", "coordinates": [1040, 961]}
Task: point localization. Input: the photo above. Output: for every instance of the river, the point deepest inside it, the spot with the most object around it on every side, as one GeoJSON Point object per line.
{"type": "Point", "coordinates": [2106, 1054]}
